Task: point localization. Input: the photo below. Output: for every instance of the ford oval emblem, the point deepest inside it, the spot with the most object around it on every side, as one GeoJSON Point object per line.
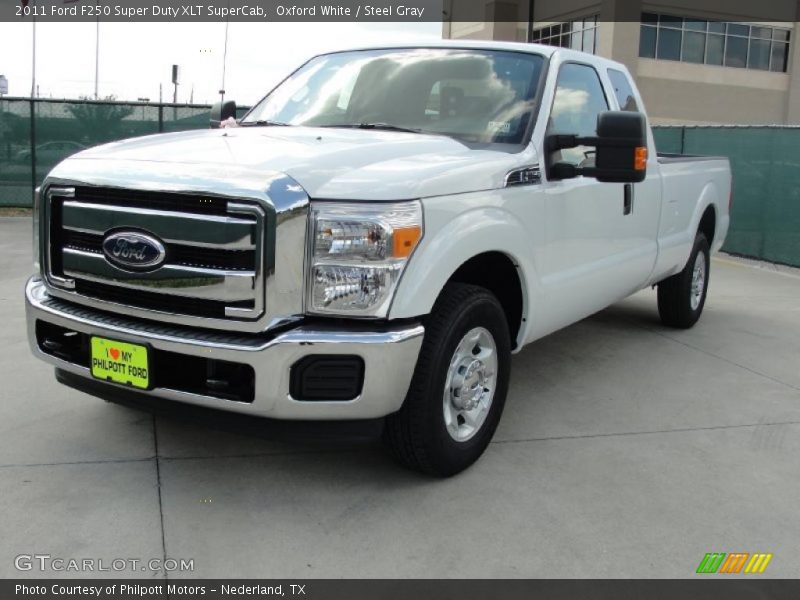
{"type": "Point", "coordinates": [134, 251]}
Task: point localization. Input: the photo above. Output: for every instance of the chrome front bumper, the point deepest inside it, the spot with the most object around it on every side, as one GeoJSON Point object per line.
{"type": "Point", "coordinates": [389, 354]}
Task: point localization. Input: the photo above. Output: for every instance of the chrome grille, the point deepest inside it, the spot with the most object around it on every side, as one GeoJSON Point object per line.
{"type": "Point", "coordinates": [187, 256]}
{"type": "Point", "coordinates": [214, 267]}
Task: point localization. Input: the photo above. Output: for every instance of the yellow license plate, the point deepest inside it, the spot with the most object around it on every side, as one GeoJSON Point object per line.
{"type": "Point", "coordinates": [120, 362]}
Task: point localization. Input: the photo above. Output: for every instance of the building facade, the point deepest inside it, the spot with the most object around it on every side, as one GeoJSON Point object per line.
{"type": "Point", "coordinates": [738, 63]}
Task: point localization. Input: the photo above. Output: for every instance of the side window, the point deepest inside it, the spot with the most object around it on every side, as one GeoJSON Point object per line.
{"type": "Point", "coordinates": [579, 99]}
{"type": "Point", "coordinates": [623, 91]}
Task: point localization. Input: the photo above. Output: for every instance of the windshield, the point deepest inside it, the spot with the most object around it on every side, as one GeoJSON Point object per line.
{"type": "Point", "coordinates": [474, 95]}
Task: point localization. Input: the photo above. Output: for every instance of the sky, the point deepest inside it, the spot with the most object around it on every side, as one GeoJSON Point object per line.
{"type": "Point", "coordinates": [136, 57]}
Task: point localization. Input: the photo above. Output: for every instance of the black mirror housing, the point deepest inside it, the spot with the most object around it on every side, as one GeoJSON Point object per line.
{"type": "Point", "coordinates": [222, 111]}
{"type": "Point", "coordinates": [621, 149]}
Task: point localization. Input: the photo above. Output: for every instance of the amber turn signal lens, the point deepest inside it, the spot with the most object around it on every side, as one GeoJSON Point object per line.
{"type": "Point", "coordinates": [640, 159]}
{"type": "Point", "coordinates": [405, 240]}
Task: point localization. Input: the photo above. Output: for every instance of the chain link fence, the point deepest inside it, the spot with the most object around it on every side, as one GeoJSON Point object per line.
{"type": "Point", "coordinates": [37, 134]}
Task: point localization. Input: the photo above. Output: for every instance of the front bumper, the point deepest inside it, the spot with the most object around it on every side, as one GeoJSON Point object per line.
{"type": "Point", "coordinates": [389, 354]}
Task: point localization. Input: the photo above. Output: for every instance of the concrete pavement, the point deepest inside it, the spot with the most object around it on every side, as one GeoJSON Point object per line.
{"type": "Point", "coordinates": [626, 450]}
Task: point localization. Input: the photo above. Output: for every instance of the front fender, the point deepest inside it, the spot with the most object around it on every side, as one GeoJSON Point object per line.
{"type": "Point", "coordinates": [455, 233]}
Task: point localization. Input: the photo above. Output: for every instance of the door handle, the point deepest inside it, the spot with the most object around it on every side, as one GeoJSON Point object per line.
{"type": "Point", "coordinates": [627, 203]}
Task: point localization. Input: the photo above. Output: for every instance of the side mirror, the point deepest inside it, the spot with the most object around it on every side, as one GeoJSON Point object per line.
{"type": "Point", "coordinates": [621, 155]}
{"type": "Point", "coordinates": [222, 111]}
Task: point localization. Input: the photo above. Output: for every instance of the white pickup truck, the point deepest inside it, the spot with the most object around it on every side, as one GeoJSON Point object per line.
{"type": "Point", "coordinates": [373, 240]}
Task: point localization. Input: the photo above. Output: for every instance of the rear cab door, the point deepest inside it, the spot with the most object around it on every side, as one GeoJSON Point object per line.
{"type": "Point", "coordinates": [642, 221]}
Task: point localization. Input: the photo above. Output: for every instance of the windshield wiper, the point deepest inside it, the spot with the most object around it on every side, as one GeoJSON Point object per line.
{"type": "Point", "coordinates": [382, 126]}
{"type": "Point", "coordinates": [263, 123]}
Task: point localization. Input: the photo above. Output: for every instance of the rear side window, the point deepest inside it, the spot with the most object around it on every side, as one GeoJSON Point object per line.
{"type": "Point", "coordinates": [623, 91]}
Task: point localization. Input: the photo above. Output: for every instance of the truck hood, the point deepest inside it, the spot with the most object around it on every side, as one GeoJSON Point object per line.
{"type": "Point", "coordinates": [329, 163]}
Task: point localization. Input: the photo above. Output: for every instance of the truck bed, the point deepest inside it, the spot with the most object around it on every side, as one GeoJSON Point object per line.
{"type": "Point", "coordinates": [689, 182]}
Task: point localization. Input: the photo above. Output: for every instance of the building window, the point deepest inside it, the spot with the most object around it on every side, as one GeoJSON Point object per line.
{"type": "Point", "coordinates": [718, 43]}
{"type": "Point", "coordinates": [580, 34]}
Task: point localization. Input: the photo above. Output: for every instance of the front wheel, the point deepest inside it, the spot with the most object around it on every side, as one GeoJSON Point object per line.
{"type": "Point", "coordinates": [681, 298]}
{"type": "Point", "coordinates": [459, 385]}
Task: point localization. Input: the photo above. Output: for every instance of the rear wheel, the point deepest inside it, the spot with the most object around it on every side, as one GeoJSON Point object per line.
{"type": "Point", "coordinates": [681, 298]}
{"type": "Point", "coordinates": [459, 385]}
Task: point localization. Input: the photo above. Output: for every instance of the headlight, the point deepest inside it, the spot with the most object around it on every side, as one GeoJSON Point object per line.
{"type": "Point", "coordinates": [36, 209]}
{"type": "Point", "coordinates": [358, 254]}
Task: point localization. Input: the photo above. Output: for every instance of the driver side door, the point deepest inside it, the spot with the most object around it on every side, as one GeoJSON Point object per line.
{"type": "Point", "coordinates": [589, 255]}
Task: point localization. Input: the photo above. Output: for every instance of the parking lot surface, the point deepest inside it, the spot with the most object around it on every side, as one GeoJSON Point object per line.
{"type": "Point", "coordinates": [626, 450]}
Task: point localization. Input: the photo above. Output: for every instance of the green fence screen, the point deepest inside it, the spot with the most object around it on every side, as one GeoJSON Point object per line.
{"type": "Point", "coordinates": [35, 135]}
{"type": "Point", "coordinates": [765, 223]}
{"type": "Point", "coordinates": [765, 220]}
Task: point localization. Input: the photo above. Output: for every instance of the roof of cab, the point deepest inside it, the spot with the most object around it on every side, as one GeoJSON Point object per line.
{"type": "Point", "coordinates": [476, 44]}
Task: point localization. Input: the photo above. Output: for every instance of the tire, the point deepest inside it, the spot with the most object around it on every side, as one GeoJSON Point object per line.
{"type": "Point", "coordinates": [678, 302]}
{"type": "Point", "coordinates": [418, 435]}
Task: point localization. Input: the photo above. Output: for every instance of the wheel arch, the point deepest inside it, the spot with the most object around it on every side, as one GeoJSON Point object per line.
{"type": "Point", "coordinates": [708, 224]}
{"type": "Point", "coordinates": [705, 216]}
{"type": "Point", "coordinates": [498, 273]}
